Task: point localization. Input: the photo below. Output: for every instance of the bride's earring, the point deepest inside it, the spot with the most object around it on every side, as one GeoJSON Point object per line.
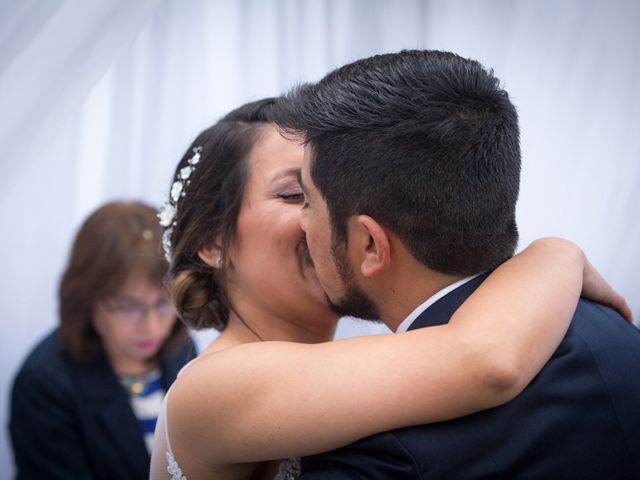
{"type": "Point", "coordinates": [220, 262]}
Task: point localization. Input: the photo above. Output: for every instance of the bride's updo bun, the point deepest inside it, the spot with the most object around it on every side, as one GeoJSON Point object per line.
{"type": "Point", "coordinates": [207, 213]}
{"type": "Point", "coordinates": [195, 297]}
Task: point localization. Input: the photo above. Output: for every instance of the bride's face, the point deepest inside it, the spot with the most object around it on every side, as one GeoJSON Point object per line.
{"type": "Point", "coordinates": [266, 263]}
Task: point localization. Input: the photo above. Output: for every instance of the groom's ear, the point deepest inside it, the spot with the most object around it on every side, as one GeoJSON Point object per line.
{"type": "Point", "coordinates": [373, 244]}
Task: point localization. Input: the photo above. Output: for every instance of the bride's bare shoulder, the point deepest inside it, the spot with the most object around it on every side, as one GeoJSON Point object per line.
{"type": "Point", "coordinates": [200, 406]}
{"type": "Point", "coordinates": [218, 376]}
{"type": "Point", "coordinates": [196, 379]}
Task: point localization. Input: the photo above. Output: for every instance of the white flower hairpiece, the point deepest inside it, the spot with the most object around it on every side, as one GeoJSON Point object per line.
{"type": "Point", "coordinates": [168, 212]}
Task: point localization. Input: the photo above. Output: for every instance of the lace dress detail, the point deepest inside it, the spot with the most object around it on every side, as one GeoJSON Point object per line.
{"type": "Point", "coordinates": [174, 469]}
{"type": "Point", "coordinates": [289, 469]}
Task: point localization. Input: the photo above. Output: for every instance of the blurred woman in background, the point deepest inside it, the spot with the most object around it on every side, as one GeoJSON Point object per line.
{"type": "Point", "coordinates": [85, 402]}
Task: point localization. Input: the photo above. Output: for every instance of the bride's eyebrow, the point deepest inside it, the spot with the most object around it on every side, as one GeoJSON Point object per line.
{"type": "Point", "coordinates": [289, 172]}
{"type": "Point", "coordinates": [284, 178]}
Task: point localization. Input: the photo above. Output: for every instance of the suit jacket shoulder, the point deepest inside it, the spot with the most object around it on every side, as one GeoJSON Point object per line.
{"type": "Point", "coordinates": [578, 419]}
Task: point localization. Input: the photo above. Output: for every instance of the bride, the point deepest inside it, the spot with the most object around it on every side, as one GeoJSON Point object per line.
{"type": "Point", "coordinates": [273, 385]}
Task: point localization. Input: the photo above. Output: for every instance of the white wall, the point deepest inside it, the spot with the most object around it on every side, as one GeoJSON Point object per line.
{"type": "Point", "coordinates": [99, 100]}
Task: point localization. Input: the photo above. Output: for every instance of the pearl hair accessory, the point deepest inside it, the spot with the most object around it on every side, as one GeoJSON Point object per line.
{"type": "Point", "coordinates": [168, 212]}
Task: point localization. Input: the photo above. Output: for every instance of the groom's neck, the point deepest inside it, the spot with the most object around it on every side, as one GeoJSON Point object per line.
{"type": "Point", "coordinates": [410, 285]}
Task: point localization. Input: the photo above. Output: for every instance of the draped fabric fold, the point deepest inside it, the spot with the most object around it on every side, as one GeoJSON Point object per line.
{"type": "Point", "coordinates": [46, 75]}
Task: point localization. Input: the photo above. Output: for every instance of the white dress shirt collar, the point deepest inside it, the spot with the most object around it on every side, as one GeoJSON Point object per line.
{"type": "Point", "coordinates": [406, 323]}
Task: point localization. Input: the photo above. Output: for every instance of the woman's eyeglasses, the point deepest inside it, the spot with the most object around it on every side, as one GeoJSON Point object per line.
{"type": "Point", "coordinates": [135, 312]}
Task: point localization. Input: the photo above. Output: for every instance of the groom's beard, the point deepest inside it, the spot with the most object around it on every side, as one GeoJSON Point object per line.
{"type": "Point", "coordinates": [355, 302]}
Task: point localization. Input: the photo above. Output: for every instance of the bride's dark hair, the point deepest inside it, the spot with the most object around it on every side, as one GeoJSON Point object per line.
{"type": "Point", "coordinates": [208, 213]}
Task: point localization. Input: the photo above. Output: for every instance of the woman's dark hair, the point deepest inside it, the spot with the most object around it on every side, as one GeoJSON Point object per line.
{"type": "Point", "coordinates": [118, 239]}
{"type": "Point", "coordinates": [207, 214]}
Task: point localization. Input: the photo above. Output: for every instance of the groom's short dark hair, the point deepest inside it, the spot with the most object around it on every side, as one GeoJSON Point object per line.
{"type": "Point", "coordinates": [425, 142]}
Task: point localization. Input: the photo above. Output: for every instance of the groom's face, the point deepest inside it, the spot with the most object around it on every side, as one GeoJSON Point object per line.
{"type": "Point", "coordinates": [315, 223]}
{"type": "Point", "coordinates": [333, 266]}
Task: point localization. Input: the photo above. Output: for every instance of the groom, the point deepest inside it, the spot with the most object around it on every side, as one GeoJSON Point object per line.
{"type": "Point", "coordinates": [412, 166]}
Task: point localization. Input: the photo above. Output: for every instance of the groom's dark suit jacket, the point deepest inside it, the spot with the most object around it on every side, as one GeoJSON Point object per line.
{"type": "Point", "coordinates": [578, 419]}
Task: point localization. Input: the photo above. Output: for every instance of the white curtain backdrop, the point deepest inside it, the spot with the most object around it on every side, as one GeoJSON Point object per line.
{"type": "Point", "coordinates": [99, 99]}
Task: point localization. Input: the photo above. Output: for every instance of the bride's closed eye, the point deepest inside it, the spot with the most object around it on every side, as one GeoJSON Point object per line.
{"type": "Point", "coordinates": [296, 197]}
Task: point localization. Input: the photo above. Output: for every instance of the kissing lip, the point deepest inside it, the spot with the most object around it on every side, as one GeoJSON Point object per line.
{"type": "Point", "coordinates": [305, 262]}
{"type": "Point", "coordinates": [306, 255]}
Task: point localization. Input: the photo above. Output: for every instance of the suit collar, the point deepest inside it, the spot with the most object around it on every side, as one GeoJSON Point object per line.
{"type": "Point", "coordinates": [105, 399]}
{"type": "Point", "coordinates": [440, 312]}
{"type": "Point", "coordinates": [173, 363]}
{"type": "Point", "coordinates": [96, 380]}
{"type": "Point", "coordinates": [406, 323]}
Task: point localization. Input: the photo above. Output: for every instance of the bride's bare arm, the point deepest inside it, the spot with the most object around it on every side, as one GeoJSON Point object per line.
{"type": "Point", "coordinates": [274, 400]}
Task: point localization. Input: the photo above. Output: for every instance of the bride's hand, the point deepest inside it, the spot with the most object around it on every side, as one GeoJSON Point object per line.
{"type": "Point", "coordinates": [596, 288]}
